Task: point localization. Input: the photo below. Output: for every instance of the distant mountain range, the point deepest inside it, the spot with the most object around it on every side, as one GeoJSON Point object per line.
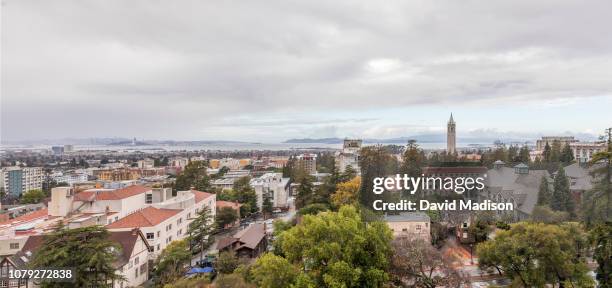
{"type": "Point", "coordinates": [423, 138]}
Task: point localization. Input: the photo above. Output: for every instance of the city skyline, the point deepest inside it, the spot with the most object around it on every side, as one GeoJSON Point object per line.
{"type": "Point", "coordinates": [189, 72]}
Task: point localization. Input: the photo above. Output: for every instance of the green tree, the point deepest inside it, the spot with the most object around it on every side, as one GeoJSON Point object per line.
{"type": "Point", "coordinates": [170, 264]}
{"type": "Point", "coordinates": [412, 160]}
{"type": "Point", "coordinates": [337, 249]}
{"type": "Point", "coordinates": [533, 254]}
{"type": "Point", "coordinates": [200, 231]}
{"type": "Point", "coordinates": [87, 249]}
{"type": "Point", "coordinates": [272, 271]}
{"type": "Point", "coordinates": [601, 239]}
{"type": "Point", "coordinates": [245, 194]}
{"type": "Point", "coordinates": [597, 200]}
{"type": "Point", "coordinates": [266, 206]}
{"type": "Point", "coordinates": [348, 174]}
{"type": "Point", "coordinates": [544, 214]}
{"type": "Point", "coordinates": [544, 192]}
{"type": "Point", "coordinates": [227, 262]}
{"type": "Point", "coordinates": [524, 155]}
{"type": "Point", "coordinates": [567, 156]}
{"type": "Point", "coordinates": [304, 195]}
{"type": "Point", "coordinates": [561, 196]}
{"type": "Point", "coordinates": [547, 153]}
{"type": "Point", "coordinates": [33, 196]}
{"type": "Point", "coordinates": [225, 216]}
{"type": "Point", "coordinates": [555, 151]}
{"type": "Point", "coordinates": [233, 280]}
{"type": "Point", "coordinates": [313, 209]}
{"type": "Point", "coordinates": [194, 175]}
{"type": "Point", "coordinates": [375, 161]}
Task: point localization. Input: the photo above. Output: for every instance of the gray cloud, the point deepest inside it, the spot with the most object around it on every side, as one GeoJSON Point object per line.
{"type": "Point", "coordinates": [185, 69]}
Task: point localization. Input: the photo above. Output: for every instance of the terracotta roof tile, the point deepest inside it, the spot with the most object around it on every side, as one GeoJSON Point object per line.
{"type": "Point", "coordinates": [200, 196]}
{"type": "Point", "coordinates": [38, 214]}
{"type": "Point", "coordinates": [112, 194]}
{"type": "Point", "coordinates": [146, 217]}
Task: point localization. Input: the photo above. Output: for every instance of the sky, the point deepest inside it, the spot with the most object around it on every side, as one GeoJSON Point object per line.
{"type": "Point", "coordinates": [269, 71]}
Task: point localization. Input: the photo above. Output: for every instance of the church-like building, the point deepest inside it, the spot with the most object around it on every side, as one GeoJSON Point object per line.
{"type": "Point", "coordinates": [451, 142]}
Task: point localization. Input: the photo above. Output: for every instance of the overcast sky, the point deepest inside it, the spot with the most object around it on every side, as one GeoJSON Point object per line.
{"type": "Point", "coordinates": [272, 70]}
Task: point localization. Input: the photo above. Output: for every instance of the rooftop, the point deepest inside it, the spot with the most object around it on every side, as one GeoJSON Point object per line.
{"type": "Point", "coordinates": [146, 217]}
{"type": "Point", "coordinates": [408, 217]}
{"type": "Point", "coordinates": [106, 194]}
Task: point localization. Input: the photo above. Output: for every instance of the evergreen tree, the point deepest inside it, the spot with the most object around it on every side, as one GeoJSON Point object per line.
{"type": "Point", "coordinates": [597, 200]}
{"type": "Point", "coordinates": [87, 249]}
{"type": "Point", "coordinates": [304, 192]}
{"type": "Point", "coordinates": [561, 197]}
{"type": "Point", "coordinates": [245, 194]}
{"type": "Point", "coordinates": [524, 155]}
{"type": "Point", "coordinates": [601, 238]}
{"type": "Point", "coordinates": [513, 153]}
{"type": "Point", "coordinates": [546, 153]}
{"type": "Point", "coordinates": [266, 205]}
{"type": "Point", "coordinates": [374, 162]}
{"type": "Point", "coordinates": [567, 156]}
{"type": "Point", "coordinates": [555, 151]}
{"type": "Point", "coordinates": [544, 192]}
{"type": "Point", "coordinates": [200, 230]}
{"type": "Point", "coordinates": [348, 174]}
{"type": "Point", "coordinates": [412, 161]}
{"type": "Point", "coordinates": [194, 175]}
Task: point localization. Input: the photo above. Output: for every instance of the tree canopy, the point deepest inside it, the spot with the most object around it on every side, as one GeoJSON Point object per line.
{"type": "Point", "coordinates": [533, 254]}
{"type": "Point", "coordinates": [87, 249]}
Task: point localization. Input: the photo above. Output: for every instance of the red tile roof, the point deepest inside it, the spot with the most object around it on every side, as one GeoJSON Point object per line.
{"type": "Point", "coordinates": [112, 194]}
{"type": "Point", "coordinates": [38, 214]}
{"type": "Point", "coordinates": [200, 196]}
{"type": "Point", "coordinates": [146, 217]}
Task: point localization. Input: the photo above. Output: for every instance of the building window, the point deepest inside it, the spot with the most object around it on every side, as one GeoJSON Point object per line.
{"type": "Point", "coordinates": [157, 234]}
{"type": "Point", "coordinates": [149, 198]}
{"type": "Point", "coordinates": [150, 236]}
{"type": "Point", "coordinates": [418, 227]}
{"type": "Point", "coordinates": [14, 245]}
{"type": "Point", "coordinates": [405, 229]}
{"type": "Point", "coordinates": [179, 221]}
{"type": "Point", "coordinates": [158, 247]}
{"type": "Point", "coordinates": [151, 249]}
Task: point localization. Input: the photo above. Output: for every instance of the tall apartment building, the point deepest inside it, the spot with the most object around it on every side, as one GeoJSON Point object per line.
{"type": "Point", "coordinates": [18, 180]}
{"type": "Point", "coordinates": [349, 156]}
{"type": "Point", "coordinates": [308, 162]}
{"type": "Point", "coordinates": [564, 140]}
{"type": "Point", "coordinates": [271, 185]}
{"type": "Point", "coordinates": [583, 151]}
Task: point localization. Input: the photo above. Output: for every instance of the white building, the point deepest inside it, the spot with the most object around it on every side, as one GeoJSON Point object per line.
{"type": "Point", "coordinates": [583, 151]}
{"type": "Point", "coordinates": [70, 178]}
{"type": "Point", "coordinates": [410, 224]}
{"type": "Point", "coordinates": [146, 163]}
{"type": "Point", "coordinates": [349, 156]}
{"type": "Point", "coordinates": [18, 180]}
{"type": "Point", "coordinates": [271, 185]}
{"type": "Point", "coordinates": [167, 221]}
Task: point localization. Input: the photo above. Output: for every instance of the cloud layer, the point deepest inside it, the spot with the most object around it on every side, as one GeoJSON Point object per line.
{"type": "Point", "coordinates": [273, 70]}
